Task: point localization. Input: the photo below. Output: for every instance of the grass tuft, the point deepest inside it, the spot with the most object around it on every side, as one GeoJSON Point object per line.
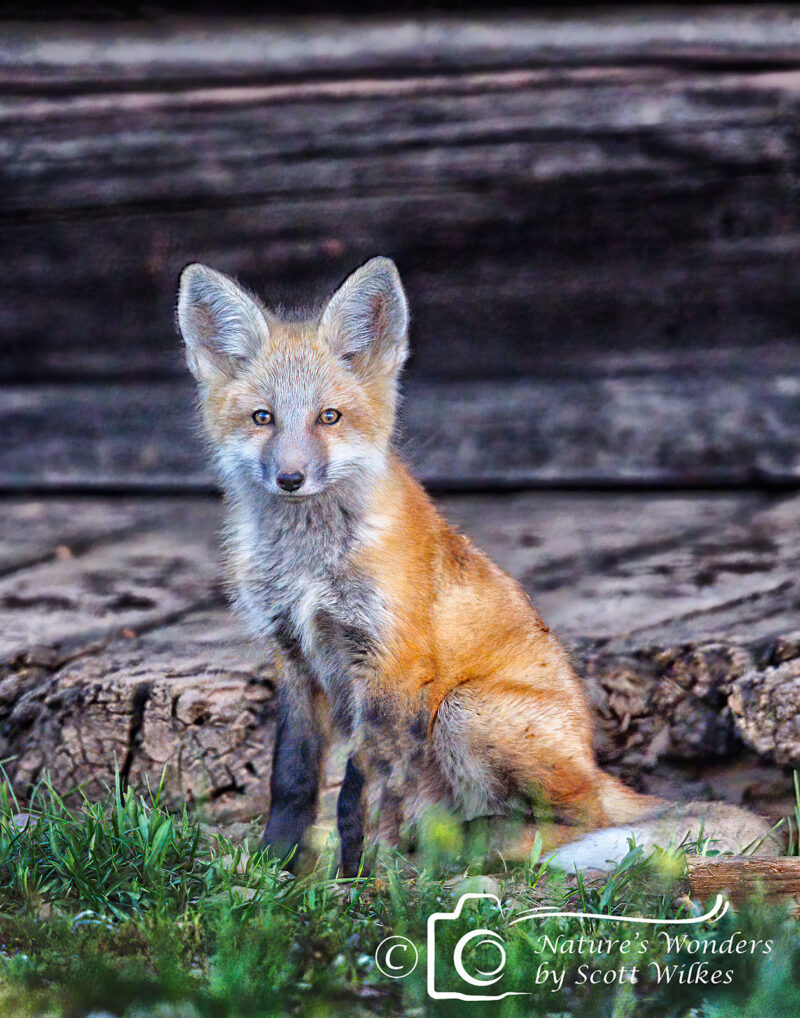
{"type": "Point", "coordinates": [119, 908]}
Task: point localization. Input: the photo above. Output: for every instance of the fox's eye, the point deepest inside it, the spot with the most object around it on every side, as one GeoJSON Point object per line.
{"type": "Point", "coordinates": [329, 416]}
{"type": "Point", "coordinates": [263, 417]}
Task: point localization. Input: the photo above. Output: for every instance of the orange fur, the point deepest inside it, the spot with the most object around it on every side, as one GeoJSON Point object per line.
{"type": "Point", "coordinates": [462, 627]}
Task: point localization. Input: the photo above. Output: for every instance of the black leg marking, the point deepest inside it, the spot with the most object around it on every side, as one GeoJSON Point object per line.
{"type": "Point", "coordinates": [296, 767]}
{"type": "Point", "coordinates": [350, 819]}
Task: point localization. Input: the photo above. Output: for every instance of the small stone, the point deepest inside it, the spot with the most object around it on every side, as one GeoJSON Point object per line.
{"type": "Point", "coordinates": [473, 885]}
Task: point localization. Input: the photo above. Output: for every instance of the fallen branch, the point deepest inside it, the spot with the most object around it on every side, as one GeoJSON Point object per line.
{"type": "Point", "coordinates": [740, 877]}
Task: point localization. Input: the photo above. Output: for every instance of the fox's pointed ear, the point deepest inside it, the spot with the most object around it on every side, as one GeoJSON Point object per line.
{"type": "Point", "coordinates": [366, 320]}
{"type": "Point", "coordinates": [221, 324]}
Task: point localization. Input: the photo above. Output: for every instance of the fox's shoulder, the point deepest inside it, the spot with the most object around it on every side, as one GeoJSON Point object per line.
{"type": "Point", "coordinates": [398, 510]}
{"type": "Point", "coordinates": [412, 539]}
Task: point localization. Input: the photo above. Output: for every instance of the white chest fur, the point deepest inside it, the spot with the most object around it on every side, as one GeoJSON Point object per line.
{"type": "Point", "coordinates": [299, 581]}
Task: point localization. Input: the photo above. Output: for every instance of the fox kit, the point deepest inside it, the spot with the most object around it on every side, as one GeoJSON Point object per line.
{"type": "Point", "coordinates": [393, 627]}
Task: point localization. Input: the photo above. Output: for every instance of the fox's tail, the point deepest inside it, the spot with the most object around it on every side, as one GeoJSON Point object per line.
{"type": "Point", "coordinates": [652, 823]}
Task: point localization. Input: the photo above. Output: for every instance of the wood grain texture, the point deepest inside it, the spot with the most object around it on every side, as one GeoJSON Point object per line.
{"type": "Point", "coordinates": [224, 145]}
{"type": "Point", "coordinates": [740, 878]}
{"type": "Point", "coordinates": [65, 54]}
{"type": "Point", "coordinates": [490, 290]}
{"type": "Point", "coordinates": [671, 426]}
{"type": "Point", "coordinates": [36, 532]}
{"type": "Point", "coordinates": [552, 189]}
{"type": "Point", "coordinates": [127, 583]}
{"type": "Point", "coordinates": [123, 650]}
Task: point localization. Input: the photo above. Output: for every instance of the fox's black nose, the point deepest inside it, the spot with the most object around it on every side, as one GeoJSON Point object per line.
{"type": "Point", "coordinates": [290, 482]}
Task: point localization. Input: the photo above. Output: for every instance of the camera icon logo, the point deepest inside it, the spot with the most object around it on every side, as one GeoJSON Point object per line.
{"type": "Point", "coordinates": [470, 980]}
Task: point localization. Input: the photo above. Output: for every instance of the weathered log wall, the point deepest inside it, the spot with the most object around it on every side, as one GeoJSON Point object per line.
{"type": "Point", "coordinates": [677, 427]}
{"type": "Point", "coordinates": [600, 209]}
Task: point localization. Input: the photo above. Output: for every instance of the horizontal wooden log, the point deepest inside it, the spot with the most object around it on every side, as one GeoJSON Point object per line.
{"type": "Point", "coordinates": [741, 878]}
{"type": "Point", "coordinates": [368, 137]}
{"type": "Point", "coordinates": [697, 427]}
{"type": "Point", "coordinates": [36, 532]}
{"type": "Point", "coordinates": [545, 288]}
{"type": "Point", "coordinates": [80, 55]}
{"type": "Point", "coordinates": [551, 190]}
{"type": "Point", "coordinates": [666, 602]}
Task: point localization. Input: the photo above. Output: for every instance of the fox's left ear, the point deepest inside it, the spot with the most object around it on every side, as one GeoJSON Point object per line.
{"type": "Point", "coordinates": [366, 320]}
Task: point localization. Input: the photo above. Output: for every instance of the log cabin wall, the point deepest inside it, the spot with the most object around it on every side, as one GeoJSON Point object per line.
{"type": "Point", "coordinates": [596, 216]}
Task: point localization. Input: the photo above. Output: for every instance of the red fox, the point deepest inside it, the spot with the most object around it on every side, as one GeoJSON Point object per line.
{"type": "Point", "coordinates": [393, 627]}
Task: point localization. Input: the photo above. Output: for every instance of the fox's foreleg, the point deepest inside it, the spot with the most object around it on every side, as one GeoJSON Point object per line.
{"type": "Point", "coordinates": [350, 818]}
{"type": "Point", "coordinates": [370, 804]}
{"type": "Point", "coordinates": [371, 797]}
{"type": "Point", "coordinates": [390, 749]}
{"type": "Point", "coordinates": [301, 739]}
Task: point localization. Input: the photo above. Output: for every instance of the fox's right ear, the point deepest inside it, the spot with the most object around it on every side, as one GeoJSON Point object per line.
{"type": "Point", "coordinates": [221, 324]}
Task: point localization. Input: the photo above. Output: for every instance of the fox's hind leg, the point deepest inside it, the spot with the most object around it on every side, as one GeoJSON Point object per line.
{"type": "Point", "coordinates": [509, 748]}
{"type": "Point", "coordinates": [392, 753]}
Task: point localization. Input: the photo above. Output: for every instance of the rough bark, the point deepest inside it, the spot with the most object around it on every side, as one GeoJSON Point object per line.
{"type": "Point", "coordinates": [681, 613]}
{"type": "Point", "coordinates": [186, 702]}
{"type": "Point", "coordinates": [740, 878]}
{"type": "Point", "coordinates": [765, 705]}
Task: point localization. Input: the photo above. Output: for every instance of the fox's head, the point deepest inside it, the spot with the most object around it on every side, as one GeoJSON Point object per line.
{"type": "Point", "coordinates": [296, 407]}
